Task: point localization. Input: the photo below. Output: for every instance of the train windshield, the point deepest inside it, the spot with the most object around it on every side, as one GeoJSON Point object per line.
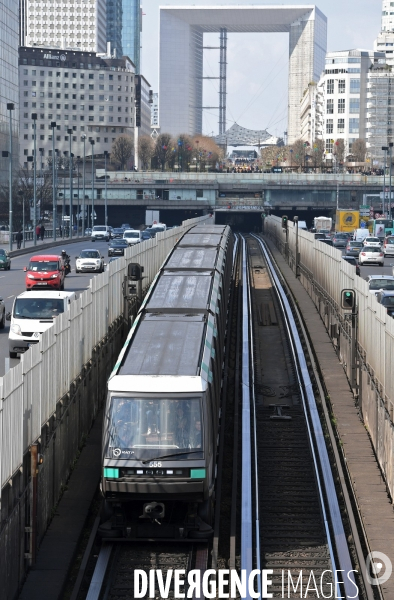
{"type": "Point", "coordinates": [145, 427]}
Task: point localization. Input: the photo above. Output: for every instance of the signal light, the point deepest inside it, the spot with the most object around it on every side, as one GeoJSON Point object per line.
{"type": "Point", "coordinates": [348, 299]}
{"type": "Point", "coordinates": [285, 221]}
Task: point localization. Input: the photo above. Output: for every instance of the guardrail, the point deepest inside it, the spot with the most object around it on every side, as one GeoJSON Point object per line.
{"type": "Point", "coordinates": [324, 274]}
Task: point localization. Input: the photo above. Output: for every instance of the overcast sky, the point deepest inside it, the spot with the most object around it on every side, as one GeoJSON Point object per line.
{"type": "Point", "coordinates": [258, 63]}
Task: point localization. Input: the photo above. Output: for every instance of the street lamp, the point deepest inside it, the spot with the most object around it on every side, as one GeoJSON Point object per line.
{"type": "Point", "coordinates": [390, 155]}
{"type": "Point", "coordinates": [83, 185]}
{"type": "Point", "coordinates": [92, 143]}
{"type": "Point", "coordinates": [78, 162]}
{"type": "Point", "coordinates": [34, 117]}
{"type": "Point", "coordinates": [54, 215]}
{"type": "Point", "coordinates": [385, 149]}
{"type": "Point", "coordinates": [106, 154]}
{"type": "Point", "coordinates": [180, 144]}
{"type": "Point", "coordinates": [10, 108]}
{"type": "Point", "coordinates": [22, 195]}
{"type": "Point", "coordinates": [70, 132]}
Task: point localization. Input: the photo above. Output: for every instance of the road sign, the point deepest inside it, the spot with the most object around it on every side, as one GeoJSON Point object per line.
{"type": "Point", "coordinates": [362, 224]}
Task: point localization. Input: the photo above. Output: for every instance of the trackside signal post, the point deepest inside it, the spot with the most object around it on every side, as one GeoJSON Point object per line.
{"type": "Point", "coordinates": [285, 227]}
{"type": "Point", "coordinates": [297, 256]}
{"type": "Point", "coordinates": [349, 302]}
{"type": "Point", "coordinates": [132, 286]}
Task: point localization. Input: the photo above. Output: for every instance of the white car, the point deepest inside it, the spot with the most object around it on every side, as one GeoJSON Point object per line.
{"type": "Point", "coordinates": [380, 282]}
{"type": "Point", "coordinates": [372, 241]}
{"type": "Point", "coordinates": [89, 261]}
{"type": "Point", "coordinates": [132, 236]}
{"type": "Point", "coordinates": [371, 255]}
{"type": "Point", "coordinates": [101, 232]}
{"type": "Point", "coordinates": [388, 246]}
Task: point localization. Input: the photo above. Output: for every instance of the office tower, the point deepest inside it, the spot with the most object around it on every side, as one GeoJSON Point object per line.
{"type": "Point", "coordinates": [385, 39]}
{"type": "Point", "coordinates": [125, 17]}
{"type": "Point", "coordinates": [64, 24]}
{"type": "Point", "coordinates": [9, 93]}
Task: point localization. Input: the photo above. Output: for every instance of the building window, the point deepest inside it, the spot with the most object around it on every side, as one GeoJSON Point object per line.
{"type": "Point", "coordinates": [329, 146]}
{"type": "Point", "coordinates": [354, 105]}
{"type": "Point", "coordinates": [341, 125]}
{"type": "Point", "coordinates": [354, 125]}
{"type": "Point", "coordinates": [341, 105]}
{"type": "Point", "coordinates": [354, 86]}
{"type": "Point", "coordinates": [330, 86]}
{"type": "Point", "coordinates": [330, 107]}
{"type": "Point", "coordinates": [329, 126]}
{"type": "Point", "coordinates": [341, 86]}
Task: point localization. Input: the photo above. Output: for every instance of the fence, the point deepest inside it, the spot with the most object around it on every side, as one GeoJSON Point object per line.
{"type": "Point", "coordinates": [52, 397]}
{"type": "Point", "coordinates": [324, 274]}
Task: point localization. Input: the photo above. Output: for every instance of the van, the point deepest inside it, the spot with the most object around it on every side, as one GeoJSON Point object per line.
{"type": "Point", "coordinates": [45, 271]}
{"type": "Point", "coordinates": [132, 236]}
{"type": "Point", "coordinates": [32, 314]}
{"type": "Point", "coordinates": [101, 232]}
{"type": "Point", "coordinates": [360, 234]}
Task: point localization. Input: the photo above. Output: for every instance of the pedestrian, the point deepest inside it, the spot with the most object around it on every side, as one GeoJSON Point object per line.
{"type": "Point", "coordinates": [38, 231]}
{"type": "Point", "coordinates": [19, 238]}
{"type": "Point", "coordinates": [60, 230]}
{"type": "Point", "coordinates": [42, 232]}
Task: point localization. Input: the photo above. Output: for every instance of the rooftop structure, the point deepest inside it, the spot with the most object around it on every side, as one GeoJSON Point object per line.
{"type": "Point", "coordinates": [181, 55]}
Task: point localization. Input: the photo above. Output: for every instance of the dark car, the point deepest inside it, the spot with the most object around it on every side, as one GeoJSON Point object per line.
{"type": "Point", "coordinates": [5, 260]}
{"type": "Point", "coordinates": [354, 248]}
{"type": "Point", "coordinates": [145, 235]}
{"type": "Point", "coordinates": [325, 241]}
{"type": "Point", "coordinates": [339, 240]}
{"type": "Point", "coordinates": [320, 236]}
{"type": "Point", "coordinates": [352, 261]}
{"type": "Point", "coordinates": [117, 233]}
{"type": "Point", "coordinates": [387, 299]}
{"type": "Point", "coordinates": [117, 247]}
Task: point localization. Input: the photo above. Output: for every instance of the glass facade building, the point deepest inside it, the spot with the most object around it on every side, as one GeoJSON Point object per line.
{"type": "Point", "coordinates": [124, 24]}
{"type": "Point", "coordinates": [9, 92]}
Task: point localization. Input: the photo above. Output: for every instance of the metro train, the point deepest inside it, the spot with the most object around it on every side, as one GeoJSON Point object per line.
{"type": "Point", "coordinates": [161, 418]}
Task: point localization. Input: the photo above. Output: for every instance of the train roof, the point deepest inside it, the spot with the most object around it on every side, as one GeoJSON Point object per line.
{"type": "Point", "coordinates": [201, 239]}
{"type": "Point", "coordinates": [185, 292]}
{"type": "Point", "coordinates": [192, 258]}
{"type": "Point", "coordinates": [166, 345]}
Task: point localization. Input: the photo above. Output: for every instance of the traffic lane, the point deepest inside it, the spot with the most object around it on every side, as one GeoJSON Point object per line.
{"type": "Point", "coordinates": [12, 283]}
{"type": "Point", "coordinates": [374, 269]}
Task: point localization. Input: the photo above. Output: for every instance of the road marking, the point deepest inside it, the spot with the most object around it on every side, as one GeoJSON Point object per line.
{"type": "Point", "coordinates": [11, 296]}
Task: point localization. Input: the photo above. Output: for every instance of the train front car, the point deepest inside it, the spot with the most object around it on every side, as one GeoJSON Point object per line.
{"type": "Point", "coordinates": [162, 413]}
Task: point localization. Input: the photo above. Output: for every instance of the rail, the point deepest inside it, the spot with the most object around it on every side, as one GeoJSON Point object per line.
{"type": "Point", "coordinates": [337, 543]}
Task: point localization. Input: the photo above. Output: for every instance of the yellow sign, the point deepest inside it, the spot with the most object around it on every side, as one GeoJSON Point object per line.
{"type": "Point", "coordinates": [348, 220]}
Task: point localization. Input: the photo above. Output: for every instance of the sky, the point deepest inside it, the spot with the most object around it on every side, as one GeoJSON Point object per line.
{"type": "Point", "coordinates": [257, 66]}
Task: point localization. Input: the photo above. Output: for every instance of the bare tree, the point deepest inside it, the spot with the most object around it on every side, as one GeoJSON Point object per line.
{"type": "Point", "coordinates": [146, 149]}
{"type": "Point", "coordinates": [318, 153]}
{"type": "Point", "coordinates": [206, 152]}
{"type": "Point", "coordinates": [122, 150]}
{"type": "Point", "coordinates": [359, 148]}
{"type": "Point", "coordinates": [163, 149]}
{"type": "Point", "coordinates": [339, 150]}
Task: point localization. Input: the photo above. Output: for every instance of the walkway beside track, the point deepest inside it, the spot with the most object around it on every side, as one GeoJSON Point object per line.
{"type": "Point", "coordinates": [48, 577]}
{"type": "Point", "coordinates": [372, 498]}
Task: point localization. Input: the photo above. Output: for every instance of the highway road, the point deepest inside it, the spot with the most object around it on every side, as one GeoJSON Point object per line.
{"type": "Point", "coordinates": [12, 283]}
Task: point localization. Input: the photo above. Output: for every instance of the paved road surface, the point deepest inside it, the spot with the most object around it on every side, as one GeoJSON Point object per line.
{"type": "Point", "coordinates": [12, 283]}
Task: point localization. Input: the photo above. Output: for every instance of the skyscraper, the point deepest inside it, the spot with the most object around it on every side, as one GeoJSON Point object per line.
{"type": "Point", "coordinates": [385, 39]}
{"type": "Point", "coordinates": [64, 24]}
{"type": "Point", "coordinates": [9, 88]}
{"type": "Point", "coordinates": [124, 24]}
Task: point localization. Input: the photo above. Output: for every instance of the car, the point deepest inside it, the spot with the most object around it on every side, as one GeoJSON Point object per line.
{"type": "Point", "coordinates": [380, 282]}
{"type": "Point", "coordinates": [387, 300]}
{"type": "Point", "coordinates": [45, 271]}
{"type": "Point", "coordinates": [372, 241]}
{"type": "Point", "coordinates": [101, 232]}
{"type": "Point", "coordinates": [32, 314]}
{"type": "Point", "coordinates": [352, 261]}
{"type": "Point", "coordinates": [371, 255]}
{"type": "Point", "coordinates": [125, 226]}
{"type": "Point", "coordinates": [325, 241]}
{"type": "Point", "coordinates": [112, 259]}
{"type": "Point", "coordinates": [340, 239]}
{"type": "Point", "coordinates": [353, 248]}
{"type": "Point", "coordinates": [117, 247]}
{"type": "Point", "coordinates": [319, 236]}
{"type": "Point", "coordinates": [132, 236]}
{"type": "Point", "coordinates": [5, 260]}
{"type": "Point", "coordinates": [89, 260]}
{"type": "Point", "coordinates": [88, 231]}
{"type": "Point", "coordinates": [388, 245]}
{"type": "Point", "coordinates": [145, 235]}
{"type": "Point", "coordinates": [117, 233]}
{"type": "Point", "coordinates": [153, 230]}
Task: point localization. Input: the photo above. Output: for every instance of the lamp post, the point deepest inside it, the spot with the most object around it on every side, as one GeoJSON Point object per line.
{"type": "Point", "coordinates": [83, 185]}
{"type": "Point", "coordinates": [78, 161]}
{"type": "Point", "coordinates": [70, 132]}
{"type": "Point", "coordinates": [10, 108]}
{"type": "Point", "coordinates": [92, 219]}
{"type": "Point", "coordinates": [180, 143]}
{"type": "Point", "coordinates": [385, 149]}
{"type": "Point", "coordinates": [390, 155]}
{"type": "Point", "coordinates": [54, 216]}
{"type": "Point", "coordinates": [106, 154]}
{"type": "Point", "coordinates": [34, 117]}
{"type": "Point", "coordinates": [21, 194]}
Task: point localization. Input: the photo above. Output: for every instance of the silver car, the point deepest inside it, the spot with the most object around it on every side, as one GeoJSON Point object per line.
{"type": "Point", "coordinates": [373, 241]}
{"type": "Point", "coordinates": [388, 246]}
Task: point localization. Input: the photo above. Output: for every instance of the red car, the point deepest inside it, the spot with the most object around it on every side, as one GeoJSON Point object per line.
{"type": "Point", "coordinates": [45, 271]}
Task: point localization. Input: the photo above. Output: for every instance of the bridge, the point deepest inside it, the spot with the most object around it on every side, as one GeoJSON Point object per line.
{"type": "Point", "coordinates": [185, 195]}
